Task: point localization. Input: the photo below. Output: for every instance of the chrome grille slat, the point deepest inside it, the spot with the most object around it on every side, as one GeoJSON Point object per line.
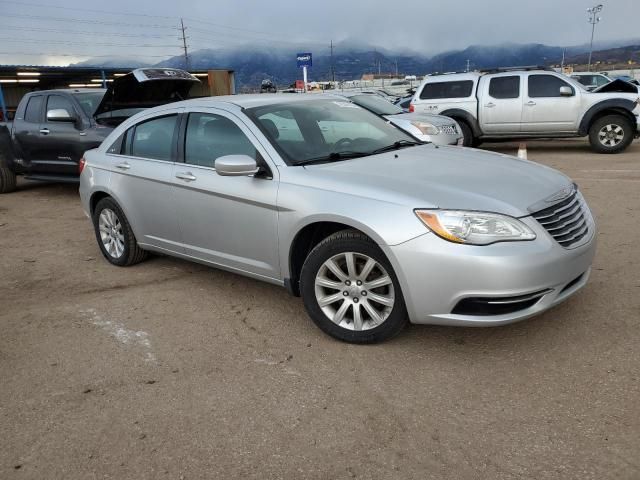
{"type": "Point", "coordinates": [565, 221]}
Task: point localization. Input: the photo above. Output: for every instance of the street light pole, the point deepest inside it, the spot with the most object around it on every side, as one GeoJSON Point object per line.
{"type": "Point", "coordinates": [593, 19]}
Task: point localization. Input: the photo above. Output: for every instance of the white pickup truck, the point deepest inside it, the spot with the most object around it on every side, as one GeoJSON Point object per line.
{"type": "Point", "coordinates": [532, 103]}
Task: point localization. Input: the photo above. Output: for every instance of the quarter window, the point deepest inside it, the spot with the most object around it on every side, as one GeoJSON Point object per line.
{"type": "Point", "coordinates": [212, 136]}
{"type": "Point", "coordinates": [504, 87]}
{"type": "Point", "coordinates": [56, 102]}
{"type": "Point", "coordinates": [460, 89]}
{"type": "Point", "coordinates": [546, 86]}
{"type": "Point", "coordinates": [34, 109]}
{"type": "Point", "coordinates": [154, 138]}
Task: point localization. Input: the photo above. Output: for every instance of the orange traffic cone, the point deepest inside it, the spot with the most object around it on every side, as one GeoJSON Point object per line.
{"type": "Point", "coordinates": [522, 151]}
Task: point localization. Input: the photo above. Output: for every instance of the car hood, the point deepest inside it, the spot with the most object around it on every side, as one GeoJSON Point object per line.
{"type": "Point", "coordinates": [617, 86]}
{"type": "Point", "coordinates": [443, 177]}
{"type": "Point", "coordinates": [146, 88]}
{"type": "Point", "coordinates": [438, 120]}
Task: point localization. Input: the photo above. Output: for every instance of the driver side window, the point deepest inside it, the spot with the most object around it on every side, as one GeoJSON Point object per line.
{"type": "Point", "coordinates": [210, 136]}
{"type": "Point", "coordinates": [57, 102]}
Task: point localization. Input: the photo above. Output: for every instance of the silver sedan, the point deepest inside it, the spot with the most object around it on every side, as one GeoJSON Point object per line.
{"type": "Point", "coordinates": [320, 196]}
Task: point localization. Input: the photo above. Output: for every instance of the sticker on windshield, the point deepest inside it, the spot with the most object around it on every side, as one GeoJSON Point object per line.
{"type": "Point", "coordinates": [346, 105]}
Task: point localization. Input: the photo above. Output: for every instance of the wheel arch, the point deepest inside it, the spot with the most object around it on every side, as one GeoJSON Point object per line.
{"type": "Point", "coordinates": [616, 106]}
{"type": "Point", "coordinates": [460, 115]}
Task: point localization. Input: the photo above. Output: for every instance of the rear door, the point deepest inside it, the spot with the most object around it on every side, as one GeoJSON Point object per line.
{"type": "Point", "coordinates": [545, 109]}
{"type": "Point", "coordinates": [501, 104]}
{"type": "Point", "coordinates": [26, 130]}
{"type": "Point", "coordinates": [228, 221]}
{"type": "Point", "coordinates": [142, 162]}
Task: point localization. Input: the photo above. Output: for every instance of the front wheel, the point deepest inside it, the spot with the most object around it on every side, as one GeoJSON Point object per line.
{"type": "Point", "coordinates": [468, 139]}
{"type": "Point", "coordinates": [7, 180]}
{"type": "Point", "coordinates": [611, 134]}
{"type": "Point", "coordinates": [350, 290]}
{"type": "Point", "coordinates": [115, 236]}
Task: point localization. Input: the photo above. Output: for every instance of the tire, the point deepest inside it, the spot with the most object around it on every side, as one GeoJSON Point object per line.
{"type": "Point", "coordinates": [611, 134]}
{"type": "Point", "coordinates": [120, 246]}
{"type": "Point", "coordinates": [348, 296]}
{"type": "Point", "coordinates": [7, 180]}
{"type": "Point", "coordinates": [467, 133]}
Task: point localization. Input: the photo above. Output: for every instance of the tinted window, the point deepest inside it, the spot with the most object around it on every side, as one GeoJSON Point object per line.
{"type": "Point", "coordinates": [56, 102]}
{"type": "Point", "coordinates": [34, 109]}
{"type": "Point", "coordinates": [211, 136]}
{"type": "Point", "coordinates": [505, 87]}
{"type": "Point", "coordinates": [89, 101]}
{"type": "Point", "coordinates": [118, 146]}
{"type": "Point", "coordinates": [376, 104]}
{"type": "Point", "coordinates": [154, 138]}
{"type": "Point", "coordinates": [546, 86]}
{"type": "Point", "coordinates": [461, 89]}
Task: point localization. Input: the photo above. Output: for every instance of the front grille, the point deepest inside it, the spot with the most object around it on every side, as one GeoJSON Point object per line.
{"type": "Point", "coordinates": [488, 306]}
{"type": "Point", "coordinates": [449, 129]}
{"type": "Point", "coordinates": [566, 221]}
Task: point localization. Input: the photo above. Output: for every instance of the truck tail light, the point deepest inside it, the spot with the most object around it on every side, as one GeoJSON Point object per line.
{"type": "Point", "coordinates": [412, 108]}
{"type": "Point", "coordinates": [81, 165]}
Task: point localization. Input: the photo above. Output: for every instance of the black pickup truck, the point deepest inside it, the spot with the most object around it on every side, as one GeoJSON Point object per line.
{"type": "Point", "coordinates": [53, 128]}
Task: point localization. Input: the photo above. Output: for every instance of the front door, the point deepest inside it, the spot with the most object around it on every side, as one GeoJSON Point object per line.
{"type": "Point", "coordinates": [501, 108]}
{"type": "Point", "coordinates": [227, 221]}
{"type": "Point", "coordinates": [545, 109]}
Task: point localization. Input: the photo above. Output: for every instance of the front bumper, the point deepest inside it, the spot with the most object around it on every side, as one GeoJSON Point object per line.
{"type": "Point", "coordinates": [436, 275]}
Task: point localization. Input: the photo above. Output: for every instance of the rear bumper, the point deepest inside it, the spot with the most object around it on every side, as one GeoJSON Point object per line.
{"type": "Point", "coordinates": [436, 275]}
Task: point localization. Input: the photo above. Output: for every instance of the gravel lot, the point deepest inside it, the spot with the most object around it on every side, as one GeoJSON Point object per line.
{"type": "Point", "coordinates": [173, 370]}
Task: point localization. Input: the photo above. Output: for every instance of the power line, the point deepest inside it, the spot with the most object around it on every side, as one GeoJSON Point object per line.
{"type": "Point", "coordinates": [45, 54]}
{"type": "Point", "coordinates": [80, 20]}
{"type": "Point", "coordinates": [80, 9]}
{"type": "Point", "coordinates": [77, 32]}
{"type": "Point", "coordinates": [68, 42]}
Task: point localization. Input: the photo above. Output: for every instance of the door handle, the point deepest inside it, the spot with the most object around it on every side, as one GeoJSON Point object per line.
{"type": "Point", "coordinates": [123, 166]}
{"type": "Point", "coordinates": [490, 105]}
{"type": "Point", "coordinates": [44, 131]}
{"type": "Point", "coordinates": [186, 176]}
{"type": "Point", "coordinates": [531, 103]}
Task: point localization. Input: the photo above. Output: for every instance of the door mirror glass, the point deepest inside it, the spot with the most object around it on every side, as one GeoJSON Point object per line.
{"type": "Point", "coordinates": [59, 115]}
{"type": "Point", "coordinates": [236, 166]}
{"type": "Point", "coordinates": [566, 91]}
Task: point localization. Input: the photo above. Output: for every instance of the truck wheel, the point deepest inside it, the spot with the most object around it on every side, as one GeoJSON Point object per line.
{"type": "Point", "coordinates": [467, 133]}
{"type": "Point", "coordinates": [115, 236]}
{"type": "Point", "coordinates": [7, 180]}
{"type": "Point", "coordinates": [611, 134]}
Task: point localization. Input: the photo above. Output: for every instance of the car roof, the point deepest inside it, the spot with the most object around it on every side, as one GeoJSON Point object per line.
{"type": "Point", "coordinates": [256, 100]}
{"type": "Point", "coordinates": [69, 90]}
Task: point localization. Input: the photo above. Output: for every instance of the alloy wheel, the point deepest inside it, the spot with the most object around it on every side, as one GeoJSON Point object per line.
{"type": "Point", "coordinates": [354, 291]}
{"type": "Point", "coordinates": [611, 135]}
{"type": "Point", "coordinates": [111, 233]}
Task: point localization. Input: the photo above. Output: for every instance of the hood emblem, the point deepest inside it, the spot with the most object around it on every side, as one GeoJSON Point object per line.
{"type": "Point", "coordinates": [561, 195]}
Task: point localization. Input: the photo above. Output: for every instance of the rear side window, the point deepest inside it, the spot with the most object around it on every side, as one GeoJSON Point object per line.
{"type": "Point", "coordinates": [504, 87]}
{"type": "Point", "coordinates": [546, 86]}
{"type": "Point", "coordinates": [34, 109]}
{"type": "Point", "coordinates": [212, 136]}
{"type": "Point", "coordinates": [461, 89]}
{"type": "Point", "coordinates": [154, 138]}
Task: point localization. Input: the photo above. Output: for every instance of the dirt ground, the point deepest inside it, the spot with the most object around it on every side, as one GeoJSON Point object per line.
{"type": "Point", "coordinates": [173, 370]}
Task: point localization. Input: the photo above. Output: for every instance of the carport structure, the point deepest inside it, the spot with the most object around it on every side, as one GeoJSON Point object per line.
{"type": "Point", "coordinates": [18, 80]}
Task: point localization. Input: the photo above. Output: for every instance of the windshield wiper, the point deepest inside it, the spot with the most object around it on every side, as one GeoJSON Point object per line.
{"type": "Point", "coordinates": [333, 157]}
{"type": "Point", "coordinates": [396, 146]}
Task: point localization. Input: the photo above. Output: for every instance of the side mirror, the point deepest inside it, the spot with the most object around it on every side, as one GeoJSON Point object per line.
{"type": "Point", "coordinates": [236, 166]}
{"type": "Point", "coordinates": [566, 91]}
{"type": "Point", "coordinates": [59, 115]}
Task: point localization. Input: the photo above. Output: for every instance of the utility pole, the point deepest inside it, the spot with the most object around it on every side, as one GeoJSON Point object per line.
{"type": "Point", "coordinates": [468, 64]}
{"type": "Point", "coordinates": [396, 67]}
{"type": "Point", "coordinates": [593, 20]}
{"type": "Point", "coordinates": [184, 44]}
{"type": "Point", "coordinates": [333, 71]}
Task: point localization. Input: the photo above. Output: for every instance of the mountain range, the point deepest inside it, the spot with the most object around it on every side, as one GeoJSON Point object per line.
{"type": "Point", "coordinates": [252, 64]}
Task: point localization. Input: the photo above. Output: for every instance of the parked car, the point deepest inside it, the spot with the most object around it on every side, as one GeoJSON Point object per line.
{"type": "Point", "coordinates": [531, 103]}
{"type": "Point", "coordinates": [322, 197]}
{"type": "Point", "coordinates": [267, 86]}
{"type": "Point", "coordinates": [53, 128]}
{"type": "Point", "coordinates": [423, 126]}
{"type": "Point", "coordinates": [590, 80]}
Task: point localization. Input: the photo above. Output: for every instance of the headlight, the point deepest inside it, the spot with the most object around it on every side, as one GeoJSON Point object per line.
{"type": "Point", "coordinates": [474, 228]}
{"type": "Point", "coordinates": [426, 128]}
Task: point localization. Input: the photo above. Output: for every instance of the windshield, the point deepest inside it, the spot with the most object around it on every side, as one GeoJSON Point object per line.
{"type": "Point", "coordinates": [325, 130]}
{"type": "Point", "coordinates": [376, 104]}
{"type": "Point", "coordinates": [89, 101]}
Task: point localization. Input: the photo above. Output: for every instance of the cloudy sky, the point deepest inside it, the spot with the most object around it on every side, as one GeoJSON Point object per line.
{"type": "Point", "coordinates": [45, 31]}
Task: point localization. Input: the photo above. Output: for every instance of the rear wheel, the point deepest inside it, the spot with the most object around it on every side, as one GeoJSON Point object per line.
{"type": "Point", "coordinates": [469, 140]}
{"type": "Point", "coordinates": [611, 134]}
{"type": "Point", "coordinates": [350, 290]}
{"type": "Point", "coordinates": [7, 180]}
{"type": "Point", "coordinates": [115, 236]}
